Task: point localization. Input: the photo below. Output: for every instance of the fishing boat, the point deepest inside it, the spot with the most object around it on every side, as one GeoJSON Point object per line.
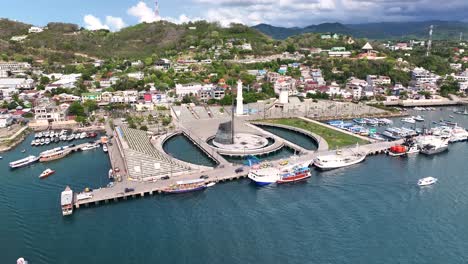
{"type": "Point", "coordinates": [264, 176]}
{"type": "Point", "coordinates": [397, 150]}
{"type": "Point", "coordinates": [66, 200]}
{"type": "Point", "coordinates": [54, 154]}
{"type": "Point", "coordinates": [186, 186]}
{"type": "Point", "coordinates": [409, 120]}
{"type": "Point", "coordinates": [340, 159]}
{"type": "Point", "coordinates": [294, 174]}
{"type": "Point", "coordinates": [23, 162]}
{"type": "Point", "coordinates": [46, 173]}
{"type": "Point", "coordinates": [427, 181]}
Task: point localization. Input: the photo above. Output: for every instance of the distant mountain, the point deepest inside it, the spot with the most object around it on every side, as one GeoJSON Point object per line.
{"type": "Point", "coordinates": [384, 30]}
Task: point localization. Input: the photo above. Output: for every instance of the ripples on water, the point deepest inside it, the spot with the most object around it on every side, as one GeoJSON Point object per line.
{"type": "Point", "coordinates": [369, 213]}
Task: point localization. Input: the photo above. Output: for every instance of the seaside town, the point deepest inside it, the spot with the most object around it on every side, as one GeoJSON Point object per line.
{"type": "Point", "coordinates": [315, 90]}
{"type": "Point", "coordinates": [161, 109]}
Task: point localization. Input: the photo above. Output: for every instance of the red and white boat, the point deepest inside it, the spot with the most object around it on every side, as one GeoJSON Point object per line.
{"type": "Point", "coordinates": [294, 174]}
{"type": "Point", "coordinates": [46, 173]}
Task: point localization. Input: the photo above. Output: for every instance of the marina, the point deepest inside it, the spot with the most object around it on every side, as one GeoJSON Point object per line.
{"type": "Point", "coordinates": [395, 177]}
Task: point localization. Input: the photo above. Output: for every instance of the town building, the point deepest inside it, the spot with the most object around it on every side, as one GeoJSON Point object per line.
{"type": "Point", "coordinates": [191, 89]}
{"type": "Point", "coordinates": [51, 112]}
{"type": "Point", "coordinates": [96, 96]}
{"type": "Point", "coordinates": [162, 64]}
{"type": "Point", "coordinates": [35, 30]}
{"type": "Point", "coordinates": [136, 75]}
{"type": "Point", "coordinates": [15, 67]}
{"type": "Point", "coordinates": [285, 83]}
{"type": "Point", "coordinates": [378, 80]}
{"type": "Point", "coordinates": [421, 75]}
{"type": "Point", "coordinates": [5, 120]}
{"type": "Point", "coordinates": [339, 52]}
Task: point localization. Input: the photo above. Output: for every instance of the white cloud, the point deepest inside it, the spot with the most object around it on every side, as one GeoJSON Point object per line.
{"type": "Point", "coordinates": [94, 23]}
{"type": "Point", "coordinates": [143, 13]}
{"type": "Point", "coordinates": [115, 23]}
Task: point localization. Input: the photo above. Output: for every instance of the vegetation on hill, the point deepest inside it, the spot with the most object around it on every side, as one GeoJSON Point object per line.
{"type": "Point", "coordinates": [10, 28]}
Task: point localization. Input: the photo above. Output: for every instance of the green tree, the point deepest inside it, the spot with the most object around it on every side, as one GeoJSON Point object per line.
{"type": "Point", "coordinates": [76, 109]}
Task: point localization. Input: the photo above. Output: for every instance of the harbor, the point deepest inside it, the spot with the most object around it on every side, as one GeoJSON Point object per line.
{"type": "Point", "coordinates": [322, 199]}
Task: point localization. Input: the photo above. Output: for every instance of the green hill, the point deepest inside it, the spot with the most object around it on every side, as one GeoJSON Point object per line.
{"type": "Point", "coordinates": [145, 39]}
{"type": "Point", "coordinates": [10, 28]}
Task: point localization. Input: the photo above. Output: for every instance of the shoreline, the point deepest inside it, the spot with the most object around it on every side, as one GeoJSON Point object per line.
{"type": "Point", "coordinates": [15, 140]}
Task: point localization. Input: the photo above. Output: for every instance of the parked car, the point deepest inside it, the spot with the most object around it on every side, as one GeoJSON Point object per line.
{"type": "Point", "coordinates": [239, 170]}
{"type": "Point", "coordinates": [204, 177]}
{"type": "Point", "coordinates": [165, 178]}
{"type": "Point", "coordinates": [129, 190]}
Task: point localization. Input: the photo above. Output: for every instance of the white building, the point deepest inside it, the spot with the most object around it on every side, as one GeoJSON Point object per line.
{"type": "Point", "coordinates": [51, 112]}
{"type": "Point", "coordinates": [378, 80]}
{"type": "Point", "coordinates": [421, 75]}
{"type": "Point", "coordinates": [14, 67]}
{"type": "Point", "coordinates": [5, 120]}
{"type": "Point", "coordinates": [246, 46]}
{"type": "Point", "coordinates": [127, 97]}
{"type": "Point", "coordinates": [19, 38]}
{"type": "Point", "coordinates": [285, 83]}
{"type": "Point", "coordinates": [35, 30]}
{"type": "Point", "coordinates": [191, 89]}
{"type": "Point", "coordinates": [136, 75]}
{"type": "Point", "coordinates": [16, 83]}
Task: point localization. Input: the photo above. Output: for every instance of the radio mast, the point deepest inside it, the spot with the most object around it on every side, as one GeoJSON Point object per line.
{"type": "Point", "coordinates": [429, 43]}
{"type": "Point", "coordinates": [156, 9]}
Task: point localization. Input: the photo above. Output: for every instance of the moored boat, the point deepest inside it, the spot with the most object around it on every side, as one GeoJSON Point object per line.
{"type": "Point", "coordinates": [295, 174]}
{"type": "Point", "coordinates": [104, 148]}
{"type": "Point", "coordinates": [340, 159]}
{"type": "Point", "coordinates": [23, 162]}
{"type": "Point", "coordinates": [264, 176]}
{"type": "Point", "coordinates": [66, 201]}
{"type": "Point", "coordinates": [409, 120]}
{"type": "Point", "coordinates": [90, 146]}
{"type": "Point", "coordinates": [397, 150]}
{"type": "Point", "coordinates": [46, 173]}
{"type": "Point", "coordinates": [54, 154]}
{"type": "Point", "coordinates": [427, 181]}
{"type": "Point", "coordinates": [186, 186]}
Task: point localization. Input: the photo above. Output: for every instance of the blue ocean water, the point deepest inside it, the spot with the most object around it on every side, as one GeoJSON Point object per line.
{"type": "Point", "coordinates": [372, 212]}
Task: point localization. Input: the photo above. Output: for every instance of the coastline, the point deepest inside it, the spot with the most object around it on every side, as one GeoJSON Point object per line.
{"type": "Point", "coordinates": [16, 139]}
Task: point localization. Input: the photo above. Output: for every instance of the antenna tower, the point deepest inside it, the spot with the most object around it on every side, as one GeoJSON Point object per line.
{"type": "Point", "coordinates": [156, 8]}
{"type": "Point", "coordinates": [429, 43]}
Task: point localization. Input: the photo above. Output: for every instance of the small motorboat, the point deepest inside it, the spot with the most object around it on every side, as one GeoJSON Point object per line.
{"type": "Point", "coordinates": [23, 151]}
{"type": "Point", "coordinates": [427, 181]}
{"type": "Point", "coordinates": [1, 157]}
{"type": "Point", "coordinates": [418, 118]}
{"type": "Point", "coordinates": [104, 148]}
{"type": "Point", "coordinates": [46, 173]}
{"type": "Point", "coordinates": [409, 120]}
{"type": "Point", "coordinates": [211, 184]}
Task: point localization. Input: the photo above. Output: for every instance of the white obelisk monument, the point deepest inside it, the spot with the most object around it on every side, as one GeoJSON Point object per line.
{"type": "Point", "coordinates": [240, 99]}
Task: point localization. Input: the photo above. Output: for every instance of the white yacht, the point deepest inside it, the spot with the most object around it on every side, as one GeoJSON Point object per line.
{"type": "Point", "coordinates": [414, 149]}
{"type": "Point", "coordinates": [430, 145]}
{"type": "Point", "coordinates": [458, 134]}
{"type": "Point", "coordinates": [427, 181]}
{"type": "Point", "coordinates": [339, 160]}
{"type": "Point", "coordinates": [66, 200]}
{"type": "Point", "coordinates": [264, 176]}
{"type": "Point", "coordinates": [83, 135]}
{"type": "Point", "coordinates": [409, 120]}
{"type": "Point", "coordinates": [418, 118]}
{"type": "Point", "coordinates": [90, 146]}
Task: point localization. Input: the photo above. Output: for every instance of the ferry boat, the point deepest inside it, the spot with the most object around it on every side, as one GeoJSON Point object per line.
{"type": "Point", "coordinates": [295, 174]}
{"type": "Point", "coordinates": [264, 176]}
{"type": "Point", "coordinates": [46, 173]}
{"type": "Point", "coordinates": [339, 160]}
{"type": "Point", "coordinates": [23, 162]}
{"type": "Point", "coordinates": [66, 200]}
{"type": "Point", "coordinates": [54, 154]}
{"type": "Point", "coordinates": [186, 186]}
{"type": "Point", "coordinates": [427, 181]}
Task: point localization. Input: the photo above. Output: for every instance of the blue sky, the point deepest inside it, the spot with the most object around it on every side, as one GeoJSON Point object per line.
{"type": "Point", "coordinates": [115, 14]}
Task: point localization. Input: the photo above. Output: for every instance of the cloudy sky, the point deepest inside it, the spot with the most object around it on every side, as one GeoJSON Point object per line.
{"type": "Point", "coordinates": [115, 14]}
